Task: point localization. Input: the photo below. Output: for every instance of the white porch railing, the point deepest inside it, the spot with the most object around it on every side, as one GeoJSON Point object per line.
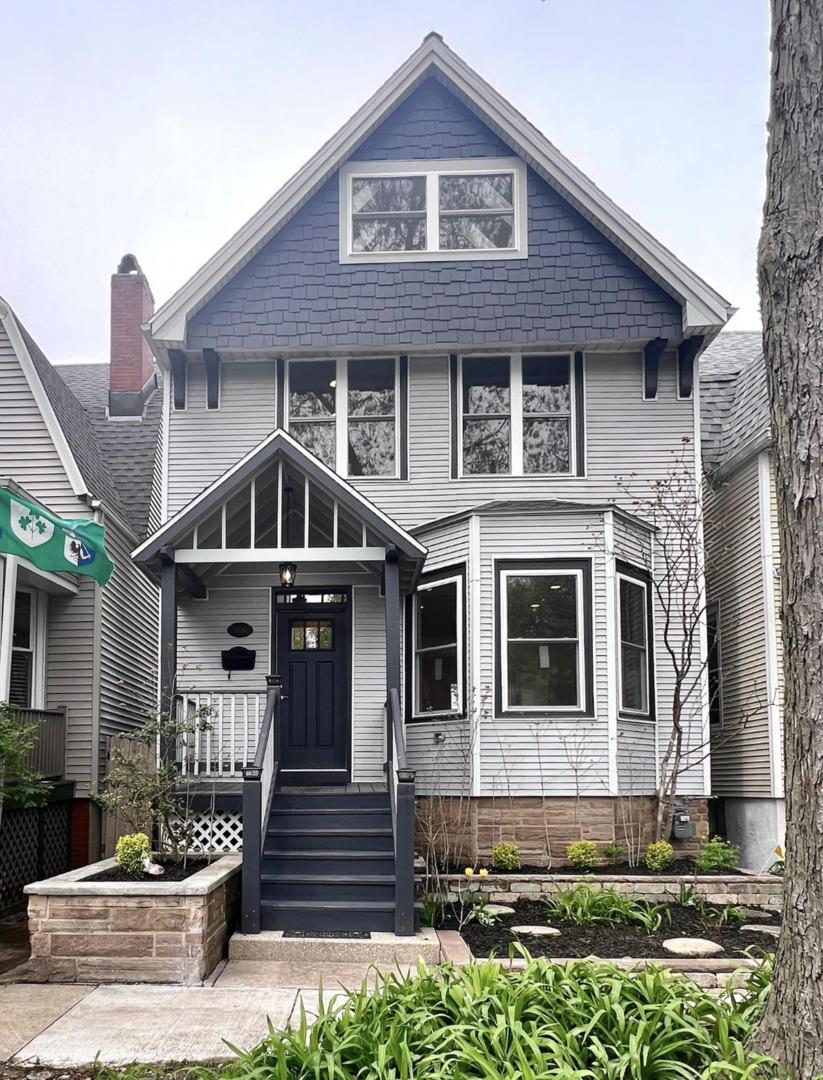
{"type": "Point", "coordinates": [225, 739]}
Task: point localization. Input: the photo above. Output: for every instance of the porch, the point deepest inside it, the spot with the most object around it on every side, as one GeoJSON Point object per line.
{"type": "Point", "coordinates": [282, 566]}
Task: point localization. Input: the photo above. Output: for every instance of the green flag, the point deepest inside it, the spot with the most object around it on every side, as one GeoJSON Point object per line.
{"type": "Point", "coordinates": [50, 543]}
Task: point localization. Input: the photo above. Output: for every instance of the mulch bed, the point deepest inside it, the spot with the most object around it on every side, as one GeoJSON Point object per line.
{"type": "Point", "coordinates": [680, 867]}
{"type": "Point", "coordinates": [607, 942]}
{"type": "Point", "coordinates": [171, 872]}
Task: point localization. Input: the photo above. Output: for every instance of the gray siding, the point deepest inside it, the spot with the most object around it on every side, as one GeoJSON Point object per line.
{"type": "Point", "coordinates": [445, 768]}
{"type": "Point", "coordinates": [741, 759]}
{"type": "Point", "coordinates": [201, 637]}
{"type": "Point", "coordinates": [203, 443]}
{"type": "Point", "coordinates": [632, 543]}
{"type": "Point", "coordinates": [129, 613]}
{"type": "Point", "coordinates": [574, 285]}
{"type": "Point", "coordinates": [636, 773]}
{"type": "Point", "coordinates": [368, 682]}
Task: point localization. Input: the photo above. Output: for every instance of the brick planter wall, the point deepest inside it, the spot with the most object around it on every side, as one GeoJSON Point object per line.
{"type": "Point", "coordinates": [755, 890]}
{"type": "Point", "coordinates": [158, 932]}
{"type": "Point", "coordinates": [466, 829]}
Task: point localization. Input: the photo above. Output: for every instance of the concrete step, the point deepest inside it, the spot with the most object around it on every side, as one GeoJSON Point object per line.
{"type": "Point", "coordinates": [380, 948]}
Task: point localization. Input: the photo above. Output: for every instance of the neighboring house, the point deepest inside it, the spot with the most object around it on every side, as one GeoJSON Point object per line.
{"type": "Point", "coordinates": [81, 440]}
{"type": "Point", "coordinates": [417, 375]}
{"type": "Point", "coordinates": [743, 572]}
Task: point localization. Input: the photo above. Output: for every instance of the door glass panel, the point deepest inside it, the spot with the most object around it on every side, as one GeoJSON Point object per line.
{"type": "Point", "coordinates": [310, 635]}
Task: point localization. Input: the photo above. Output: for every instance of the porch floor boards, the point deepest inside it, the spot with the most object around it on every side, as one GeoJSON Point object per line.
{"type": "Point", "coordinates": [204, 785]}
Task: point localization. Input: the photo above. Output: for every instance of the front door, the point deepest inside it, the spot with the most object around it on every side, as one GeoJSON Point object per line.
{"type": "Point", "coordinates": [313, 658]}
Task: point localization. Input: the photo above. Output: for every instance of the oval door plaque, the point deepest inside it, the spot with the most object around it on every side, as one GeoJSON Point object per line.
{"type": "Point", "coordinates": [240, 629]}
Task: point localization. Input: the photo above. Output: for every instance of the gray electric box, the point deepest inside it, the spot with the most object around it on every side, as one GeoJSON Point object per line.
{"type": "Point", "coordinates": [682, 828]}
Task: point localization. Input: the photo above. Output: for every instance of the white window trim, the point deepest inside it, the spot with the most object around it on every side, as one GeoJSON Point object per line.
{"type": "Point", "coordinates": [432, 170]}
{"type": "Point", "coordinates": [516, 416]}
{"type": "Point", "coordinates": [624, 710]}
{"type": "Point", "coordinates": [526, 571]}
{"type": "Point", "coordinates": [425, 587]}
{"type": "Point", "coordinates": [341, 415]}
{"type": "Point", "coordinates": [39, 621]}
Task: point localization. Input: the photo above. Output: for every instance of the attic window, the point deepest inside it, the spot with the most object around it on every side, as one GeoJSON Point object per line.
{"type": "Point", "coordinates": [452, 210]}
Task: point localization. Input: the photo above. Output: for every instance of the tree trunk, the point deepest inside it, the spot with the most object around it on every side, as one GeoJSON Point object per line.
{"type": "Point", "coordinates": [791, 289]}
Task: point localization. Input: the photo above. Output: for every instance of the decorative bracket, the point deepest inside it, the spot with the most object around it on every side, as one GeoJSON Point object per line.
{"type": "Point", "coordinates": [686, 352]}
{"type": "Point", "coordinates": [212, 363]}
{"type": "Point", "coordinates": [178, 378]}
{"type": "Point", "coordinates": [651, 366]}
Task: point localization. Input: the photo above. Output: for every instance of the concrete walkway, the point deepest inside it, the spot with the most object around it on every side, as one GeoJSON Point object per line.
{"type": "Point", "coordinates": [72, 1025]}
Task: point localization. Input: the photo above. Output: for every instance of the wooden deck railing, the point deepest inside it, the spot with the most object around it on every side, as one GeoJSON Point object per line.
{"type": "Point", "coordinates": [48, 755]}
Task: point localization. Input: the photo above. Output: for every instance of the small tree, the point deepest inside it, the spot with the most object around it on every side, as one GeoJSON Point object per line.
{"type": "Point", "coordinates": [18, 781]}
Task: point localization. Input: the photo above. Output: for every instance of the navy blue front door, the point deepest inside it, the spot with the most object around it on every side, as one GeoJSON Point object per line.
{"type": "Point", "coordinates": [312, 657]}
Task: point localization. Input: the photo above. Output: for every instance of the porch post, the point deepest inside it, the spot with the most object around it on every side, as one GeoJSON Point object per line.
{"type": "Point", "coordinates": [8, 587]}
{"type": "Point", "coordinates": [168, 637]}
{"type": "Point", "coordinates": [391, 584]}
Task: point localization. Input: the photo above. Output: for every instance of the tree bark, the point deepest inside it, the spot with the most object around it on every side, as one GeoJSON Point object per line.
{"type": "Point", "coordinates": [791, 290]}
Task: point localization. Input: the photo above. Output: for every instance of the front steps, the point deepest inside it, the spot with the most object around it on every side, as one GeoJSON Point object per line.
{"type": "Point", "coordinates": [328, 863]}
{"type": "Point", "coordinates": [382, 949]}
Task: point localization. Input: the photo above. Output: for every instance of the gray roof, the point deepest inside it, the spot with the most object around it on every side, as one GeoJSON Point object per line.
{"type": "Point", "coordinates": [734, 400]}
{"type": "Point", "coordinates": [527, 506]}
{"type": "Point", "coordinates": [127, 447]}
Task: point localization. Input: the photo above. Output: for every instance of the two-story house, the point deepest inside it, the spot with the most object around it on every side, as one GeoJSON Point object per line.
{"type": "Point", "coordinates": [399, 405]}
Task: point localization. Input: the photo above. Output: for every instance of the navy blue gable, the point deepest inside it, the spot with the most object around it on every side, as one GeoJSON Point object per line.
{"type": "Point", "coordinates": [575, 286]}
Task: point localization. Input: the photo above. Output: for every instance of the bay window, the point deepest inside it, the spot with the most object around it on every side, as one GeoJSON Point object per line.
{"type": "Point", "coordinates": [433, 210]}
{"type": "Point", "coordinates": [545, 638]}
{"type": "Point", "coordinates": [26, 682]}
{"type": "Point", "coordinates": [635, 679]}
{"type": "Point", "coordinates": [437, 636]}
{"type": "Point", "coordinates": [348, 413]}
{"type": "Point", "coordinates": [517, 415]}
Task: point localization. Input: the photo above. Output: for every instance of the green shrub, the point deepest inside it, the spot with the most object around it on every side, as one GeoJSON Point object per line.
{"type": "Point", "coordinates": [547, 1022]}
{"type": "Point", "coordinates": [616, 851]}
{"type": "Point", "coordinates": [586, 905]}
{"type": "Point", "coordinates": [660, 856]}
{"type": "Point", "coordinates": [717, 856]}
{"type": "Point", "coordinates": [506, 857]}
{"type": "Point", "coordinates": [583, 855]}
{"type": "Point", "coordinates": [433, 905]}
{"type": "Point", "coordinates": [130, 852]}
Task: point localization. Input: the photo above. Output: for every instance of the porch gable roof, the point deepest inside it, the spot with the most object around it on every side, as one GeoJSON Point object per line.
{"type": "Point", "coordinates": [282, 444]}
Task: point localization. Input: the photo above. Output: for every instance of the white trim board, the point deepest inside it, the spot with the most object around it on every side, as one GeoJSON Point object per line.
{"type": "Point", "coordinates": [704, 310]}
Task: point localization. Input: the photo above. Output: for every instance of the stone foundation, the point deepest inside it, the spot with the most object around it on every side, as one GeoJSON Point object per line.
{"type": "Point", "coordinates": [750, 890]}
{"type": "Point", "coordinates": [464, 830]}
{"type": "Point", "coordinates": [158, 932]}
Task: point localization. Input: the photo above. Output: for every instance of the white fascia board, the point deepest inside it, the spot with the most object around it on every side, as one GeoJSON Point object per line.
{"type": "Point", "coordinates": [703, 306]}
{"type": "Point", "coordinates": [41, 398]}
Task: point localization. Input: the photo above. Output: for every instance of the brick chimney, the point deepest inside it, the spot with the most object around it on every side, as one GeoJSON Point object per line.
{"type": "Point", "coordinates": [131, 376]}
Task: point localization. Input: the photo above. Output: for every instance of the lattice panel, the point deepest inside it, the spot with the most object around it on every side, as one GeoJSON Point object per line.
{"type": "Point", "coordinates": [56, 832]}
{"type": "Point", "coordinates": [221, 831]}
{"type": "Point", "coordinates": [34, 844]}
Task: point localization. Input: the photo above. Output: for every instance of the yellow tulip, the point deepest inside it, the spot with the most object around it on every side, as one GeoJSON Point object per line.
{"type": "Point", "coordinates": [469, 871]}
{"type": "Point", "coordinates": [484, 872]}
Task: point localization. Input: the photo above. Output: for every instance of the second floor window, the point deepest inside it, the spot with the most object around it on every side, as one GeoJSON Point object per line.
{"type": "Point", "coordinates": [516, 415]}
{"type": "Point", "coordinates": [346, 413]}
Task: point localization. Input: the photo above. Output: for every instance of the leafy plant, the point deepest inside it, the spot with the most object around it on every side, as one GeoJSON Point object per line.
{"type": "Point", "coordinates": [478, 912]}
{"type": "Point", "coordinates": [586, 905]}
{"type": "Point", "coordinates": [130, 852]}
{"type": "Point", "coordinates": [506, 857]}
{"type": "Point", "coordinates": [433, 905]}
{"type": "Point", "coordinates": [579, 1021]}
{"type": "Point", "coordinates": [583, 855]}
{"type": "Point", "coordinates": [145, 792]}
{"type": "Point", "coordinates": [718, 856]}
{"type": "Point", "coordinates": [615, 852]}
{"type": "Point", "coordinates": [778, 867]}
{"type": "Point", "coordinates": [18, 781]}
{"type": "Point", "coordinates": [659, 856]}
{"type": "Point", "coordinates": [713, 917]}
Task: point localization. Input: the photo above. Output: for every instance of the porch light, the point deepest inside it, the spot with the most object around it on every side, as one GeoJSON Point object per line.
{"type": "Point", "coordinates": [288, 574]}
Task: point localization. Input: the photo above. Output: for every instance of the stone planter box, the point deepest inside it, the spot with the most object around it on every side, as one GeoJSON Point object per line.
{"type": "Point", "coordinates": [154, 932]}
{"type": "Point", "coordinates": [756, 890]}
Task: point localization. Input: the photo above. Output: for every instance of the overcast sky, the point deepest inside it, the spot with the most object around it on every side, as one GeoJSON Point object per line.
{"type": "Point", "coordinates": [160, 127]}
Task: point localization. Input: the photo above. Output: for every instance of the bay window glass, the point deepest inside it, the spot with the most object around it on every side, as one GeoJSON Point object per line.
{"type": "Point", "coordinates": [313, 407]}
{"type": "Point", "coordinates": [542, 647]}
{"type": "Point", "coordinates": [372, 417]}
{"type": "Point", "coordinates": [486, 415]}
{"type": "Point", "coordinates": [438, 647]}
{"type": "Point", "coordinates": [516, 415]}
{"type": "Point", "coordinates": [476, 211]}
{"type": "Point", "coordinates": [634, 649]}
{"type": "Point", "coordinates": [388, 213]}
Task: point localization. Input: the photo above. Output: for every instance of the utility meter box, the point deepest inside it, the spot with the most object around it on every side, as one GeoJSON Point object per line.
{"type": "Point", "coordinates": [682, 828]}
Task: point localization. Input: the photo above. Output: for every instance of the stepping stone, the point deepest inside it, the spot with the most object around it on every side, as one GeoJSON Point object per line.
{"type": "Point", "coordinates": [754, 913]}
{"type": "Point", "coordinates": [499, 909]}
{"type": "Point", "coordinates": [536, 931]}
{"type": "Point", "coordinates": [774, 931]}
{"type": "Point", "coordinates": [692, 946]}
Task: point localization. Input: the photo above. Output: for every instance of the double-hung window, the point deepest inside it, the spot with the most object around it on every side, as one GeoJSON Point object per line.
{"type": "Point", "coordinates": [437, 635]}
{"type": "Point", "coordinates": [347, 413]}
{"type": "Point", "coordinates": [635, 676]}
{"type": "Point", "coordinates": [516, 415]}
{"type": "Point", "coordinates": [545, 638]}
{"type": "Point", "coordinates": [421, 210]}
{"type": "Point", "coordinates": [27, 650]}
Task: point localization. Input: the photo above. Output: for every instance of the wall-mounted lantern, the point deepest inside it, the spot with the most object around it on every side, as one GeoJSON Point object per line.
{"type": "Point", "coordinates": [288, 574]}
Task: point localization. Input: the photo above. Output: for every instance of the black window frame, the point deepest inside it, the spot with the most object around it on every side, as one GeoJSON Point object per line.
{"type": "Point", "coordinates": [641, 577]}
{"type": "Point", "coordinates": [585, 635]}
{"type": "Point", "coordinates": [446, 573]}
